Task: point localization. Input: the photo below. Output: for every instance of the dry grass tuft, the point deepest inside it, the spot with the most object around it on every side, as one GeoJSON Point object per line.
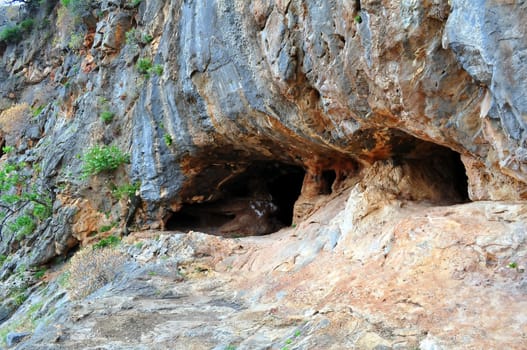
{"type": "Point", "coordinates": [90, 269]}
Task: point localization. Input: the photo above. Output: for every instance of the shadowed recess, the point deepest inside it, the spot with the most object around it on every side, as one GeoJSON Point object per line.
{"type": "Point", "coordinates": [259, 200]}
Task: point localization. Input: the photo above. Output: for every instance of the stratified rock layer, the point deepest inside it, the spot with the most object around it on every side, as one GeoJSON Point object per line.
{"type": "Point", "coordinates": [327, 86]}
{"type": "Point", "coordinates": [255, 115]}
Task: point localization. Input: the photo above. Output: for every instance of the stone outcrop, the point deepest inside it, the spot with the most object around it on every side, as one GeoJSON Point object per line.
{"type": "Point", "coordinates": [243, 117]}
{"type": "Point", "coordinates": [330, 87]}
{"type": "Point", "coordinates": [367, 271]}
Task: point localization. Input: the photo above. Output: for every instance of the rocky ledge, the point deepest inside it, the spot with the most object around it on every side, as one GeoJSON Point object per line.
{"type": "Point", "coordinates": [364, 272]}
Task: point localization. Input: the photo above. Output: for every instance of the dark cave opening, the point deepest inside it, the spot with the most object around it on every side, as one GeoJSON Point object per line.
{"type": "Point", "coordinates": [459, 175]}
{"type": "Point", "coordinates": [259, 200]}
{"type": "Point", "coordinates": [328, 178]}
{"type": "Point", "coordinates": [438, 175]}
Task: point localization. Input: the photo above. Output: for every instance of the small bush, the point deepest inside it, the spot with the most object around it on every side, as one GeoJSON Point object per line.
{"type": "Point", "coordinates": [11, 34]}
{"type": "Point", "coordinates": [22, 226]}
{"type": "Point", "coordinates": [103, 158]}
{"type": "Point", "coordinates": [168, 140]}
{"type": "Point", "coordinates": [27, 24]}
{"type": "Point", "coordinates": [110, 241]}
{"type": "Point", "coordinates": [144, 65]}
{"type": "Point", "coordinates": [40, 273]}
{"type": "Point", "coordinates": [146, 38]}
{"type": "Point", "coordinates": [37, 110]}
{"type": "Point", "coordinates": [107, 117]}
{"type": "Point", "coordinates": [91, 269]}
{"type": "Point", "coordinates": [134, 37]}
{"type": "Point", "coordinates": [7, 149]}
{"type": "Point", "coordinates": [19, 298]}
{"type": "Point", "coordinates": [131, 37]}
{"type": "Point", "coordinates": [105, 228]}
{"type": "Point", "coordinates": [41, 211]}
{"type": "Point", "coordinates": [127, 190]}
{"type": "Point", "coordinates": [157, 69]}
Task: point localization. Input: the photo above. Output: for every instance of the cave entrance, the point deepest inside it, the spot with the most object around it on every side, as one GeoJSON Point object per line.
{"type": "Point", "coordinates": [258, 201]}
{"type": "Point", "coordinates": [459, 174]}
{"type": "Point", "coordinates": [437, 176]}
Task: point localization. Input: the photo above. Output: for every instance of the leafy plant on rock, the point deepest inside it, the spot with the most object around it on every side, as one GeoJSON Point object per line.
{"type": "Point", "coordinates": [27, 24]}
{"type": "Point", "coordinates": [157, 69]}
{"type": "Point", "coordinates": [168, 140]}
{"type": "Point", "coordinates": [107, 116]}
{"type": "Point", "coordinates": [144, 65]}
{"type": "Point", "coordinates": [99, 159]}
{"type": "Point", "coordinates": [22, 204]}
{"type": "Point", "coordinates": [126, 190]}
{"type": "Point", "coordinates": [11, 34]}
{"type": "Point", "coordinates": [110, 241]}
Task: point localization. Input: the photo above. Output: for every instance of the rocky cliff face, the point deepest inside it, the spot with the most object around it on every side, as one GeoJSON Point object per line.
{"type": "Point", "coordinates": [239, 118]}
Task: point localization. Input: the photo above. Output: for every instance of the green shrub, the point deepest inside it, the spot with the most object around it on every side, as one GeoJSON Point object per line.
{"type": "Point", "coordinates": [157, 69]}
{"type": "Point", "coordinates": [105, 228]}
{"type": "Point", "coordinates": [37, 110]}
{"type": "Point", "coordinates": [168, 140]}
{"type": "Point", "coordinates": [22, 226]}
{"type": "Point", "coordinates": [27, 24]}
{"type": "Point", "coordinates": [103, 158]}
{"type": "Point", "coordinates": [19, 298]}
{"type": "Point", "coordinates": [125, 190]}
{"type": "Point", "coordinates": [11, 34]}
{"type": "Point", "coordinates": [107, 117]}
{"type": "Point", "coordinates": [134, 37]}
{"type": "Point", "coordinates": [40, 273]}
{"type": "Point", "coordinates": [22, 205]}
{"type": "Point", "coordinates": [41, 211]}
{"type": "Point", "coordinates": [144, 65]}
{"type": "Point", "coordinates": [146, 38]}
{"type": "Point", "coordinates": [131, 37]}
{"type": "Point", "coordinates": [110, 241]}
{"type": "Point", "coordinates": [7, 149]}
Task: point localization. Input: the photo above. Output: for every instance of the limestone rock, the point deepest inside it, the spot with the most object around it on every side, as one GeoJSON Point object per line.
{"type": "Point", "coordinates": [13, 338]}
{"type": "Point", "coordinates": [408, 275]}
{"type": "Point", "coordinates": [362, 129]}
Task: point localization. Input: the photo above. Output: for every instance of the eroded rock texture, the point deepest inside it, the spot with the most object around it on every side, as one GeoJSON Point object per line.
{"type": "Point", "coordinates": [307, 84]}
{"type": "Point", "coordinates": [243, 117]}
{"type": "Point", "coordinates": [327, 86]}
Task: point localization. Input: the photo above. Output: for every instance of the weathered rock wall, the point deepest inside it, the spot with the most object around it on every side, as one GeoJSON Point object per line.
{"type": "Point", "coordinates": [329, 86]}
{"type": "Point", "coordinates": [224, 107]}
